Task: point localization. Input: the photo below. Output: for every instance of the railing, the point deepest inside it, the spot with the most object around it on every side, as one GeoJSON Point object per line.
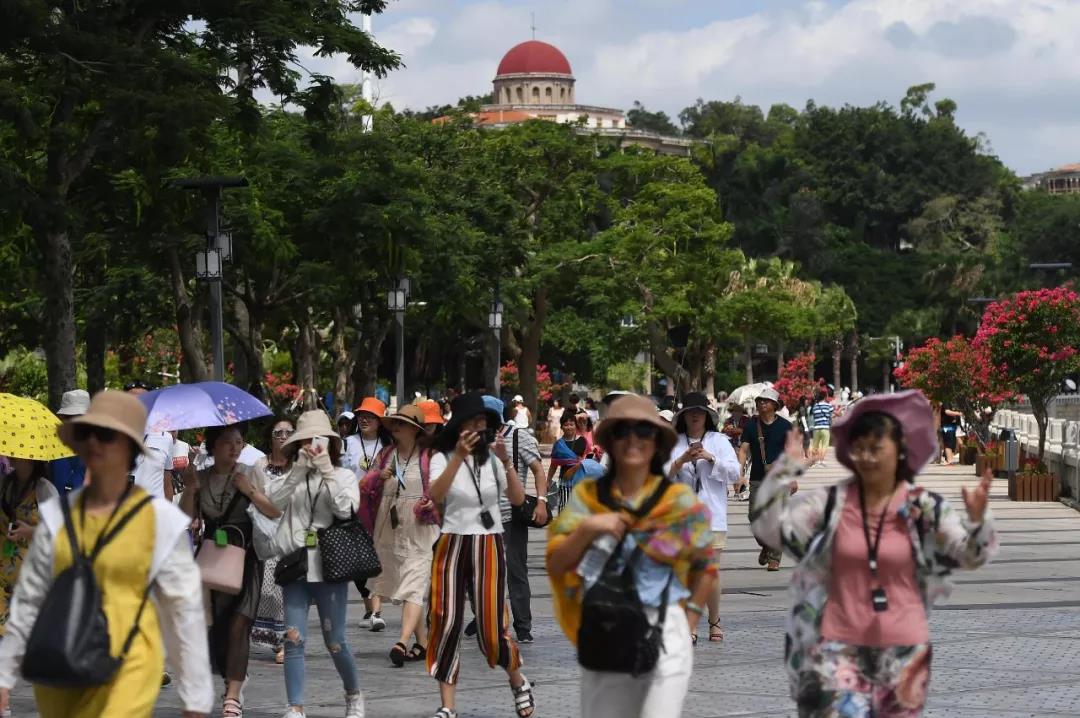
{"type": "Point", "coordinates": [1062, 406]}
{"type": "Point", "coordinates": [1062, 454]}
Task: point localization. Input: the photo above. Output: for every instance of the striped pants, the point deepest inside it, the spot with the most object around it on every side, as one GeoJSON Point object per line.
{"type": "Point", "coordinates": [465, 564]}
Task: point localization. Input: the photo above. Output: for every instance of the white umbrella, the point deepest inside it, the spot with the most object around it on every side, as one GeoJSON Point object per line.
{"type": "Point", "coordinates": [746, 394]}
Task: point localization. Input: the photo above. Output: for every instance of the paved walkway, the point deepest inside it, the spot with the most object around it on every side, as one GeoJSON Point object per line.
{"type": "Point", "coordinates": [1007, 645]}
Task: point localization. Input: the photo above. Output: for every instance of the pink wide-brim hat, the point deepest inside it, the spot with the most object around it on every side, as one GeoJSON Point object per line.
{"type": "Point", "coordinates": [912, 411]}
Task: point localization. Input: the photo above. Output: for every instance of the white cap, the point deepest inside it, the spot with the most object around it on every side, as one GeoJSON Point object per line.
{"type": "Point", "coordinates": [667, 415]}
{"type": "Point", "coordinates": [769, 393]}
{"type": "Point", "coordinates": [74, 403]}
{"type": "Point", "coordinates": [519, 397]}
{"type": "Point", "coordinates": [346, 415]}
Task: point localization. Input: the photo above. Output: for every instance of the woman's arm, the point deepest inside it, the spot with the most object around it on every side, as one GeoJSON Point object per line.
{"type": "Point", "coordinates": [191, 491]}
{"type": "Point", "coordinates": [515, 490]}
{"type": "Point", "coordinates": [35, 578]}
{"type": "Point", "coordinates": [699, 595]}
{"type": "Point", "coordinates": [567, 554]}
{"type": "Point", "coordinates": [972, 541]}
{"type": "Point", "coordinates": [282, 492]}
{"type": "Point", "coordinates": [252, 487]}
{"type": "Point", "coordinates": [178, 594]}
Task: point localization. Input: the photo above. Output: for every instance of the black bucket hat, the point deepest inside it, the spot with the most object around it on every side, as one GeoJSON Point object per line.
{"type": "Point", "coordinates": [696, 400]}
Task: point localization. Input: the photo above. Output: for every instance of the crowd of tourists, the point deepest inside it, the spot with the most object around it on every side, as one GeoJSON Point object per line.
{"type": "Point", "coordinates": [142, 561]}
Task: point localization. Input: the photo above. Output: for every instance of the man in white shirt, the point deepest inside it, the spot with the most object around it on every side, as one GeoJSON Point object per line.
{"type": "Point", "coordinates": [153, 469]}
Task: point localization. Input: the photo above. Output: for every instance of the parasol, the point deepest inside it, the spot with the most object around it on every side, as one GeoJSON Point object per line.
{"type": "Point", "coordinates": [28, 430]}
{"type": "Point", "coordinates": [205, 403]}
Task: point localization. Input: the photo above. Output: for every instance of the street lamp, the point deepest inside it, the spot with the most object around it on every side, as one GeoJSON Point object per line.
{"type": "Point", "coordinates": [1050, 265]}
{"type": "Point", "coordinates": [218, 249]}
{"type": "Point", "coordinates": [495, 322]}
{"type": "Point", "coordinates": [396, 301]}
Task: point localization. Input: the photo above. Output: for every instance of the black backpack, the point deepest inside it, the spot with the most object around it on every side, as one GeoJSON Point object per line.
{"type": "Point", "coordinates": [69, 644]}
{"type": "Point", "coordinates": [616, 635]}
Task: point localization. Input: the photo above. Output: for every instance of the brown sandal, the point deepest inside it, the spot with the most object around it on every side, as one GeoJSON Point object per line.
{"type": "Point", "coordinates": [718, 635]}
{"type": "Point", "coordinates": [398, 654]}
{"type": "Point", "coordinates": [416, 653]}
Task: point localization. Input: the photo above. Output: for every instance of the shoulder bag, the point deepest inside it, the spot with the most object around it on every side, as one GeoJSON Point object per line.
{"type": "Point", "coordinates": [761, 444]}
{"type": "Point", "coordinates": [220, 562]}
{"type": "Point", "coordinates": [293, 566]}
{"type": "Point", "coordinates": [348, 553]}
{"type": "Point", "coordinates": [69, 645]}
{"type": "Point", "coordinates": [616, 635]}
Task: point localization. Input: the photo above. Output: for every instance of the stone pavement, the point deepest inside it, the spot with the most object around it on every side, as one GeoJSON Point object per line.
{"type": "Point", "coordinates": [1007, 645]}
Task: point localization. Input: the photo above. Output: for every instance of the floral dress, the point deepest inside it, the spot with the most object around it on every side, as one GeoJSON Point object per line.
{"type": "Point", "coordinates": [17, 508]}
{"type": "Point", "coordinates": [828, 678]}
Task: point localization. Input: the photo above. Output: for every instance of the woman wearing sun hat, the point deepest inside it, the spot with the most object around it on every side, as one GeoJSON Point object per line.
{"type": "Point", "coordinates": [403, 520]}
{"type": "Point", "coordinates": [433, 421]}
{"type": "Point", "coordinates": [704, 460]}
{"type": "Point", "coordinates": [22, 491]}
{"type": "Point", "coordinates": [470, 474]}
{"type": "Point", "coordinates": [317, 491]}
{"type": "Point", "coordinates": [662, 532]}
{"type": "Point", "coordinates": [151, 553]}
{"type": "Point", "coordinates": [874, 552]}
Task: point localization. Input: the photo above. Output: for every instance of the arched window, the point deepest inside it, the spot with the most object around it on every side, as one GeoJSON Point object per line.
{"type": "Point", "coordinates": [536, 95]}
{"type": "Point", "coordinates": [548, 94]}
{"type": "Point", "coordinates": [509, 97]}
{"type": "Point", "coordinates": [562, 94]}
{"type": "Point", "coordinates": [520, 94]}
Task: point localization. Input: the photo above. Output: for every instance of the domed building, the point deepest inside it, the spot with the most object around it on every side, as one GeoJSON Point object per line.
{"type": "Point", "coordinates": [534, 80]}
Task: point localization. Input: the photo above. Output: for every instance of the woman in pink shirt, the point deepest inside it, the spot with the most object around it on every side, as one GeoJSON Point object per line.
{"type": "Point", "coordinates": [874, 553]}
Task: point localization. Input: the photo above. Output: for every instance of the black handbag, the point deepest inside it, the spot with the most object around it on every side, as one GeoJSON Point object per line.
{"type": "Point", "coordinates": [348, 553]}
{"type": "Point", "coordinates": [69, 645]}
{"type": "Point", "coordinates": [616, 635]}
{"type": "Point", "coordinates": [525, 515]}
{"type": "Point", "coordinates": [291, 567]}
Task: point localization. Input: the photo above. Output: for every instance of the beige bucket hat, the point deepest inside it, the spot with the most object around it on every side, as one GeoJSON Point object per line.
{"type": "Point", "coordinates": [116, 410]}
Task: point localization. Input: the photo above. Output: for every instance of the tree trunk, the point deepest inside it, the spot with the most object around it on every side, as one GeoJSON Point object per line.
{"type": "Point", "coordinates": [749, 349]}
{"type": "Point", "coordinates": [853, 348]}
{"type": "Point", "coordinates": [368, 351]}
{"type": "Point", "coordinates": [59, 340]}
{"type": "Point", "coordinates": [304, 362]}
{"type": "Point", "coordinates": [813, 364]}
{"type": "Point", "coordinates": [886, 384]}
{"type": "Point", "coordinates": [781, 347]}
{"type": "Point", "coordinates": [837, 356]}
{"type": "Point", "coordinates": [1040, 410]}
{"type": "Point", "coordinates": [709, 368]}
{"type": "Point", "coordinates": [678, 377]}
{"type": "Point", "coordinates": [530, 348]}
{"type": "Point", "coordinates": [96, 342]}
{"type": "Point", "coordinates": [193, 362]}
{"type": "Point", "coordinates": [344, 359]}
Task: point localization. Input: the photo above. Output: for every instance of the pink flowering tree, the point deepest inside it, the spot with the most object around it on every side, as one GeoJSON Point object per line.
{"type": "Point", "coordinates": [955, 372]}
{"type": "Point", "coordinates": [1031, 341]}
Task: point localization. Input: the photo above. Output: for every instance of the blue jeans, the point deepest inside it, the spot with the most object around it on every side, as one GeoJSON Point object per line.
{"type": "Point", "coordinates": [330, 600]}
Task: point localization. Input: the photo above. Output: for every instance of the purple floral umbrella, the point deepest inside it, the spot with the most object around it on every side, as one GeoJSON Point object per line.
{"type": "Point", "coordinates": [194, 406]}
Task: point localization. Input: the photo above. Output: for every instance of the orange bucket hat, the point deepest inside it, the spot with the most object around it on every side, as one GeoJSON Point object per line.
{"type": "Point", "coordinates": [372, 406]}
{"type": "Point", "coordinates": [432, 412]}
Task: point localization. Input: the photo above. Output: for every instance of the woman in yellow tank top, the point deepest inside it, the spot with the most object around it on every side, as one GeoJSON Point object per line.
{"type": "Point", "coordinates": [150, 553]}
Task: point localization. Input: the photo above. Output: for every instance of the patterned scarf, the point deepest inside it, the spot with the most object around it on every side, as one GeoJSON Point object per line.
{"type": "Point", "coordinates": [675, 532]}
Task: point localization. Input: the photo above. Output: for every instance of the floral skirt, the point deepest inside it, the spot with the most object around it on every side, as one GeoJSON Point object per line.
{"type": "Point", "coordinates": [844, 681]}
{"type": "Point", "coordinates": [269, 627]}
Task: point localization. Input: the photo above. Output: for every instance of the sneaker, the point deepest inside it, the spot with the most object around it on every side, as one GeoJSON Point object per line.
{"type": "Point", "coordinates": [293, 713]}
{"type": "Point", "coordinates": [377, 622]}
{"type": "Point", "coordinates": [354, 705]}
{"type": "Point", "coordinates": [166, 679]}
{"type": "Point", "coordinates": [525, 637]}
{"type": "Point", "coordinates": [365, 622]}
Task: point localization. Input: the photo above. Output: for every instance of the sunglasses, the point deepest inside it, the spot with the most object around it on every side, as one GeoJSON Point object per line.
{"type": "Point", "coordinates": [282, 434]}
{"type": "Point", "coordinates": [640, 429]}
{"type": "Point", "coordinates": [85, 431]}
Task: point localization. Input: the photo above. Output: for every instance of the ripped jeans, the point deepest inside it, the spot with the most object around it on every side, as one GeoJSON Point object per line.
{"type": "Point", "coordinates": [330, 600]}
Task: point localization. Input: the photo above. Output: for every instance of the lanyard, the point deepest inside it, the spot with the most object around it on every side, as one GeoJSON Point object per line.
{"type": "Point", "coordinates": [220, 501]}
{"type": "Point", "coordinates": [474, 474]}
{"type": "Point", "coordinates": [399, 470]}
{"type": "Point", "coordinates": [872, 549]}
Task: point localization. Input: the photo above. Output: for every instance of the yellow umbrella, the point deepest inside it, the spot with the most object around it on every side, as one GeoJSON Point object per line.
{"type": "Point", "coordinates": [28, 430]}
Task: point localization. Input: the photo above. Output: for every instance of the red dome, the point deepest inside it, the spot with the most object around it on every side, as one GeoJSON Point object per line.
{"type": "Point", "coordinates": [534, 56]}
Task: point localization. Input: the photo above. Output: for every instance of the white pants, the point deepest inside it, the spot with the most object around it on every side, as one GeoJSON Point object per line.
{"type": "Point", "coordinates": [658, 694]}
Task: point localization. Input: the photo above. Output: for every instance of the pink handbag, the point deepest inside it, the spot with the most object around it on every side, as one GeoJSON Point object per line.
{"type": "Point", "coordinates": [222, 567]}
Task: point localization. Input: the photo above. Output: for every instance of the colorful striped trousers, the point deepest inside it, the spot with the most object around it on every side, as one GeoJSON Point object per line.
{"type": "Point", "coordinates": [465, 564]}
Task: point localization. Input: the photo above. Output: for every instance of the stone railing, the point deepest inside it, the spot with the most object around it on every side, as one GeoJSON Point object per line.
{"type": "Point", "coordinates": [1062, 455]}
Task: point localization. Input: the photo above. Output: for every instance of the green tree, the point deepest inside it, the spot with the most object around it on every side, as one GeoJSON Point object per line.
{"type": "Point", "coordinates": [641, 119]}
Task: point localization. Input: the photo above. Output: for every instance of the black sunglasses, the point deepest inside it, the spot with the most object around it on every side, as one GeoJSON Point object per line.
{"type": "Point", "coordinates": [103, 435]}
{"type": "Point", "coordinates": [640, 429]}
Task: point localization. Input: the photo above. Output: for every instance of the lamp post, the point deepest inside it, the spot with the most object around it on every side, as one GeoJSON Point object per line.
{"type": "Point", "coordinates": [495, 322]}
{"type": "Point", "coordinates": [218, 250]}
{"type": "Point", "coordinates": [397, 300]}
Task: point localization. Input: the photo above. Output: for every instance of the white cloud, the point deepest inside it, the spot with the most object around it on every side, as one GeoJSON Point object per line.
{"type": "Point", "coordinates": [1011, 66]}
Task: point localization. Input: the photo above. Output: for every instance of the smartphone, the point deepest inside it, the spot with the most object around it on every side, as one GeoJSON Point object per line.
{"type": "Point", "coordinates": [695, 445]}
{"type": "Point", "coordinates": [490, 435]}
{"type": "Point", "coordinates": [320, 442]}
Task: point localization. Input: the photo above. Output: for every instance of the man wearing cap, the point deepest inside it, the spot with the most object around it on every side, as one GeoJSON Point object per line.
{"type": "Point", "coordinates": [68, 474]}
{"type": "Point", "coordinates": [763, 441]}
{"type": "Point", "coordinates": [525, 453]}
{"type": "Point", "coordinates": [522, 415]}
{"type": "Point", "coordinates": [153, 468]}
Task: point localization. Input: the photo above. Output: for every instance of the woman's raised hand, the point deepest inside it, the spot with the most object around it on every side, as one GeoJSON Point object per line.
{"type": "Point", "coordinates": [976, 499]}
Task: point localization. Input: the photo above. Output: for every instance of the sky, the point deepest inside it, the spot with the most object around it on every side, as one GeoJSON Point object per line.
{"type": "Point", "coordinates": [1013, 66]}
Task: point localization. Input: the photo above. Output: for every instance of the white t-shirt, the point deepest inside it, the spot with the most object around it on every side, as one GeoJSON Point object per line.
{"type": "Point", "coordinates": [461, 513]}
{"type": "Point", "coordinates": [360, 453]}
{"type": "Point", "coordinates": [150, 467]}
{"type": "Point", "coordinates": [710, 479]}
{"type": "Point", "coordinates": [249, 455]}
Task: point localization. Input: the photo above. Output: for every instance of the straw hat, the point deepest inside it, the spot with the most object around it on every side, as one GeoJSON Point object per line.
{"type": "Point", "coordinates": [432, 412]}
{"type": "Point", "coordinates": [409, 414]}
{"type": "Point", "coordinates": [116, 410]}
{"type": "Point", "coordinates": [634, 408]}
{"type": "Point", "coordinates": [311, 424]}
{"type": "Point", "coordinates": [74, 403]}
{"type": "Point", "coordinates": [372, 406]}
